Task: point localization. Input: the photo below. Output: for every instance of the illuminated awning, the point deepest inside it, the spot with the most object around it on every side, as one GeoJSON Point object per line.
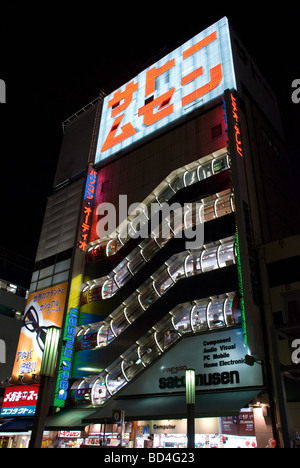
{"type": "Point", "coordinates": [174, 407]}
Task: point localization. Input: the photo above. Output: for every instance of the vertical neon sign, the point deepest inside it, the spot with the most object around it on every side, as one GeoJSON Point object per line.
{"type": "Point", "coordinates": [232, 120]}
{"type": "Point", "coordinates": [66, 357]}
{"type": "Point", "coordinates": [87, 210]}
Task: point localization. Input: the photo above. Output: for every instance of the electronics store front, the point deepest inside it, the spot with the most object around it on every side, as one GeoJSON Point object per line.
{"type": "Point", "coordinates": [224, 432]}
{"type": "Point", "coordinates": [228, 397]}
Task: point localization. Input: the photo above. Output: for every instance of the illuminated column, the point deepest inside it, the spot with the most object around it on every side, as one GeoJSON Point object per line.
{"type": "Point", "coordinates": [190, 405]}
{"type": "Point", "coordinates": [46, 381]}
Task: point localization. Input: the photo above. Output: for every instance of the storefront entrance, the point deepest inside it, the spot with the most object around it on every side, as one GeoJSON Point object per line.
{"type": "Point", "coordinates": [224, 432]}
{"type": "Point", "coordinates": [214, 432]}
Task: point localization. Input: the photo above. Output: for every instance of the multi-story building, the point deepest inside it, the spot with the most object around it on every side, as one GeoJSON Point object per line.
{"type": "Point", "coordinates": [147, 255]}
{"type": "Point", "coordinates": [15, 272]}
{"type": "Point", "coordinates": [279, 274]}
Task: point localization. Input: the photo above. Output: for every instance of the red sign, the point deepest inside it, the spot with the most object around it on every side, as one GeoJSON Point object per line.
{"type": "Point", "coordinates": [20, 400]}
{"type": "Point", "coordinates": [69, 434]}
{"type": "Point", "coordinates": [242, 425]}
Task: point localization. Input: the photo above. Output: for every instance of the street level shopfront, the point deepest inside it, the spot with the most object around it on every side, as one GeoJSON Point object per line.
{"type": "Point", "coordinates": [237, 431]}
{"type": "Point", "coordinates": [223, 432]}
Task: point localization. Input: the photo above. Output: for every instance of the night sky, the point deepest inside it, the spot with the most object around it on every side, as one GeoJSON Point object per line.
{"type": "Point", "coordinates": [55, 60]}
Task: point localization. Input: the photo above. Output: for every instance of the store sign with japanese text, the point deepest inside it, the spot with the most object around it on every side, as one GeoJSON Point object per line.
{"type": "Point", "coordinates": [218, 360]}
{"type": "Point", "coordinates": [69, 434]}
{"type": "Point", "coordinates": [20, 400]}
{"type": "Point", "coordinates": [44, 309]}
{"type": "Point", "coordinates": [87, 210]}
{"type": "Point", "coordinates": [187, 78]}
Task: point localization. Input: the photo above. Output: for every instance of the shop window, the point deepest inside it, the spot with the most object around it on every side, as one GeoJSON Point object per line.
{"type": "Point", "coordinates": [215, 314]}
{"type": "Point", "coordinates": [209, 259]}
{"type": "Point", "coordinates": [232, 310]}
{"type": "Point", "coordinates": [181, 319]}
{"type": "Point", "coordinates": [199, 316]}
{"type": "Point", "coordinates": [193, 264]}
{"type": "Point", "coordinates": [226, 254]}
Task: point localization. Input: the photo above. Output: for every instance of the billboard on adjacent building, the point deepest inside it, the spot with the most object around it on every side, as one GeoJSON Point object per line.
{"type": "Point", "coordinates": [44, 309]}
{"type": "Point", "coordinates": [187, 78]}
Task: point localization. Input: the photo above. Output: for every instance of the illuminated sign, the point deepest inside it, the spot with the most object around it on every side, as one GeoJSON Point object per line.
{"type": "Point", "coordinates": [20, 400]}
{"type": "Point", "coordinates": [89, 195]}
{"type": "Point", "coordinates": [187, 78]}
{"type": "Point", "coordinates": [219, 363]}
{"type": "Point", "coordinates": [69, 434]}
{"type": "Point", "coordinates": [44, 309]}
{"type": "Point", "coordinates": [237, 131]}
{"type": "Point", "coordinates": [67, 355]}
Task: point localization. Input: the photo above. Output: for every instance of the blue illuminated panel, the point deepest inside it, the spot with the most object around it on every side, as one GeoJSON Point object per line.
{"type": "Point", "coordinates": [187, 78]}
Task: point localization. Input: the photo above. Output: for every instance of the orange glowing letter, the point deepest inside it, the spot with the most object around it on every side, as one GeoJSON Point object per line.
{"type": "Point", "coordinates": [154, 73]}
{"type": "Point", "coordinates": [215, 72]}
{"type": "Point", "coordinates": [120, 96]}
{"type": "Point", "coordinates": [163, 110]}
{"type": "Point", "coordinates": [112, 140]}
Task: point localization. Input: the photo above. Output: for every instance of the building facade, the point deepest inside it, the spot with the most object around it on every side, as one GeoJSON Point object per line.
{"type": "Point", "coordinates": [147, 257]}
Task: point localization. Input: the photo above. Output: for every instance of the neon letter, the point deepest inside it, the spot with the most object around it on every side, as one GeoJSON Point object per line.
{"type": "Point", "coordinates": [215, 72]}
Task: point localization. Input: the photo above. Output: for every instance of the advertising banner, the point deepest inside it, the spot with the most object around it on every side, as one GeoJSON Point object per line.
{"type": "Point", "coordinates": [44, 309]}
{"type": "Point", "coordinates": [20, 400]}
{"type": "Point", "coordinates": [187, 78]}
{"type": "Point", "coordinates": [242, 425]}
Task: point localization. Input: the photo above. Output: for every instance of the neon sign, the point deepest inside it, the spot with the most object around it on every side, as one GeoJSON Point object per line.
{"type": "Point", "coordinates": [237, 131]}
{"type": "Point", "coordinates": [64, 374]}
{"type": "Point", "coordinates": [89, 195]}
{"type": "Point", "coordinates": [190, 76]}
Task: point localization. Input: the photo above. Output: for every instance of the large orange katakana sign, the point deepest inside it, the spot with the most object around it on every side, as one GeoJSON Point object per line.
{"type": "Point", "coordinates": [190, 76]}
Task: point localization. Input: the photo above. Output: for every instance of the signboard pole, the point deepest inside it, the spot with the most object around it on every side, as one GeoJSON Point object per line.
{"type": "Point", "coordinates": [190, 406]}
{"type": "Point", "coordinates": [122, 427]}
{"type": "Point", "coordinates": [42, 409]}
{"type": "Point", "coordinates": [46, 383]}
